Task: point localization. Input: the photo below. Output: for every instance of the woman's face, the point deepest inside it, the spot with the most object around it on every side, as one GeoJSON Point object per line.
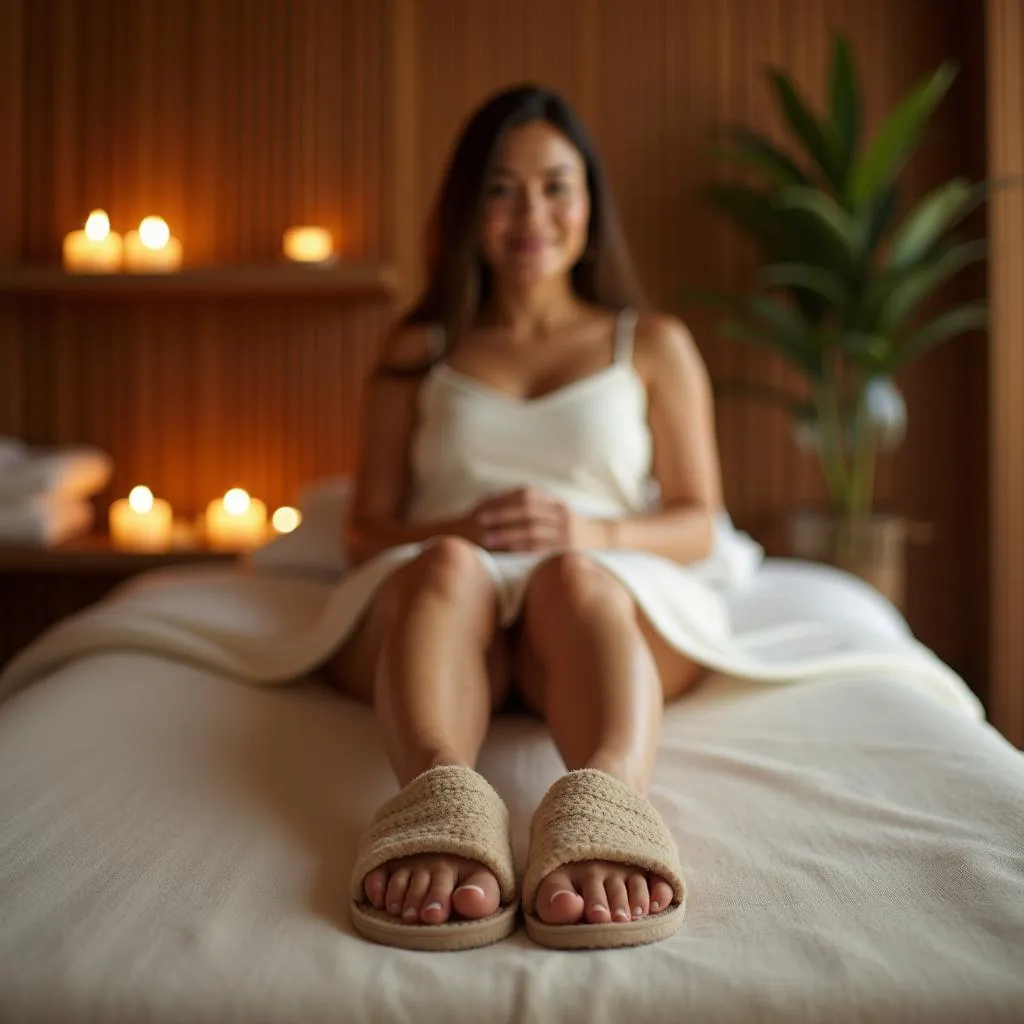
{"type": "Point", "coordinates": [536, 207]}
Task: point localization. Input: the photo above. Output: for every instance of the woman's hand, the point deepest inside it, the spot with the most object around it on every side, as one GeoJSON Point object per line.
{"type": "Point", "coordinates": [529, 520]}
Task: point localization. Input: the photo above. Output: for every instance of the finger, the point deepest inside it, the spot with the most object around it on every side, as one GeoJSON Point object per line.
{"type": "Point", "coordinates": [525, 537]}
{"type": "Point", "coordinates": [549, 515]}
{"type": "Point", "coordinates": [524, 500]}
{"type": "Point", "coordinates": [503, 515]}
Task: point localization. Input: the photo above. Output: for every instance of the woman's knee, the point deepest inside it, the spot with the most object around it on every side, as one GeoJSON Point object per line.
{"type": "Point", "coordinates": [450, 568]}
{"type": "Point", "coordinates": [573, 584]}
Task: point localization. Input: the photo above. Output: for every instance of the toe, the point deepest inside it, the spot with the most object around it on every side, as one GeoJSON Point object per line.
{"type": "Point", "coordinates": [375, 885]}
{"type": "Point", "coordinates": [437, 904]}
{"type": "Point", "coordinates": [398, 885]}
{"type": "Point", "coordinates": [477, 895]}
{"type": "Point", "coordinates": [419, 883]}
{"type": "Point", "coordinates": [639, 895]}
{"type": "Point", "coordinates": [558, 902]}
{"type": "Point", "coordinates": [618, 898]}
{"type": "Point", "coordinates": [596, 911]}
{"type": "Point", "coordinates": [661, 894]}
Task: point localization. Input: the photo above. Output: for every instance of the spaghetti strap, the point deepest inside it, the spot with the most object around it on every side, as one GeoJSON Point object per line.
{"type": "Point", "coordinates": [625, 329]}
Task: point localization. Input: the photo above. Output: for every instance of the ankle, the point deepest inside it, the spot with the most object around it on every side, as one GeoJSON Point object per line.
{"type": "Point", "coordinates": [622, 768]}
{"type": "Point", "coordinates": [418, 762]}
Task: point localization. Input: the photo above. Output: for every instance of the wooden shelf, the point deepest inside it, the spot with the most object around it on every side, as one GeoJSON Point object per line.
{"type": "Point", "coordinates": [341, 281]}
{"type": "Point", "coordinates": [95, 554]}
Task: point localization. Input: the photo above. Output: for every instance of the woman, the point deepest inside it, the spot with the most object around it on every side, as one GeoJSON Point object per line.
{"type": "Point", "coordinates": [514, 427]}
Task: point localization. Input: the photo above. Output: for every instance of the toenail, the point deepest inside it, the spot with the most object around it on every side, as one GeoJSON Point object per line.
{"type": "Point", "coordinates": [638, 911]}
{"type": "Point", "coordinates": [394, 908]}
{"type": "Point", "coordinates": [621, 915]}
{"type": "Point", "coordinates": [561, 892]}
{"type": "Point", "coordinates": [473, 888]}
{"type": "Point", "coordinates": [655, 906]}
{"type": "Point", "coordinates": [432, 906]}
{"type": "Point", "coordinates": [410, 914]}
{"type": "Point", "coordinates": [600, 907]}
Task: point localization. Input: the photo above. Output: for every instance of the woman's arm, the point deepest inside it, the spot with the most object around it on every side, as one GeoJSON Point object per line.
{"type": "Point", "coordinates": [682, 423]}
{"type": "Point", "coordinates": [382, 480]}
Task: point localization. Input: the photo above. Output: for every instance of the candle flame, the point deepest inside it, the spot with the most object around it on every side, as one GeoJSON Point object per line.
{"type": "Point", "coordinates": [287, 519]}
{"type": "Point", "coordinates": [97, 226]}
{"type": "Point", "coordinates": [140, 499]}
{"type": "Point", "coordinates": [236, 501]}
{"type": "Point", "coordinates": [308, 244]}
{"type": "Point", "coordinates": [154, 232]}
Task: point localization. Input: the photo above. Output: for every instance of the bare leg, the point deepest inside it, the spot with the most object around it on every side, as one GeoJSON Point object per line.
{"type": "Point", "coordinates": [600, 678]}
{"type": "Point", "coordinates": [427, 657]}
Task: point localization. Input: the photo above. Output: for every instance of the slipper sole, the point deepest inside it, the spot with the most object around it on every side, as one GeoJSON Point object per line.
{"type": "Point", "coordinates": [452, 936]}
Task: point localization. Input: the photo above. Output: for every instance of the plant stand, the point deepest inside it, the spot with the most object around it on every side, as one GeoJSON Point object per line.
{"type": "Point", "coordinates": [873, 547]}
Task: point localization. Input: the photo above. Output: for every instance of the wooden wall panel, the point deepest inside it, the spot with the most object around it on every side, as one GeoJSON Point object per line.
{"type": "Point", "coordinates": [1006, 156]}
{"type": "Point", "coordinates": [11, 108]}
{"type": "Point", "coordinates": [235, 118]}
{"type": "Point", "coordinates": [650, 78]}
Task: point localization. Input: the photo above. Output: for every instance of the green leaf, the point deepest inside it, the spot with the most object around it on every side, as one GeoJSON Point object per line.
{"type": "Point", "coordinates": [898, 136]}
{"type": "Point", "coordinates": [760, 337]}
{"type": "Point", "coordinates": [816, 136]}
{"type": "Point", "coordinates": [845, 103]}
{"type": "Point", "coordinates": [778, 327]}
{"type": "Point", "coordinates": [877, 214]}
{"type": "Point", "coordinates": [954, 322]}
{"type": "Point", "coordinates": [822, 282]}
{"type": "Point", "coordinates": [908, 293]}
{"type": "Point", "coordinates": [870, 350]}
{"type": "Point", "coordinates": [752, 211]}
{"type": "Point", "coordinates": [939, 211]}
{"type": "Point", "coordinates": [828, 213]}
{"type": "Point", "coordinates": [754, 150]}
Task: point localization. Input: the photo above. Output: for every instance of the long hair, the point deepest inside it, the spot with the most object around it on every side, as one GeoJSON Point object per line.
{"type": "Point", "coordinates": [458, 282]}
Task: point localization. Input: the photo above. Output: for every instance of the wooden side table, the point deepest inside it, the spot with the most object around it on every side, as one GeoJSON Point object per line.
{"type": "Point", "coordinates": [41, 586]}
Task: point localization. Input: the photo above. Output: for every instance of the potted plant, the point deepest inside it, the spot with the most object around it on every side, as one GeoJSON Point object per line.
{"type": "Point", "coordinates": [839, 291]}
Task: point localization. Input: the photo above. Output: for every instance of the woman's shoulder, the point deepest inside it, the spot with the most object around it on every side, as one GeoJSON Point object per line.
{"type": "Point", "coordinates": [664, 344]}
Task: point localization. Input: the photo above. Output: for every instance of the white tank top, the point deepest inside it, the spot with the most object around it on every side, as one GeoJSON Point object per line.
{"type": "Point", "coordinates": [587, 443]}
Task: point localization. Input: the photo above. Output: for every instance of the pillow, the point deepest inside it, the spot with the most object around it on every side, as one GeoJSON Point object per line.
{"type": "Point", "coordinates": [316, 546]}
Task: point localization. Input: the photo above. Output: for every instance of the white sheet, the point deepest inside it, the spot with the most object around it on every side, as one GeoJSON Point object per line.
{"type": "Point", "coordinates": [176, 847]}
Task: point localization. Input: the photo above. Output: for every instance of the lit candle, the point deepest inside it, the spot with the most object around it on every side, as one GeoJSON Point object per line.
{"type": "Point", "coordinates": [141, 522]}
{"type": "Point", "coordinates": [236, 521]}
{"type": "Point", "coordinates": [152, 249]}
{"type": "Point", "coordinates": [286, 519]}
{"type": "Point", "coordinates": [309, 245]}
{"type": "Point", "coordinates": [96, 250]}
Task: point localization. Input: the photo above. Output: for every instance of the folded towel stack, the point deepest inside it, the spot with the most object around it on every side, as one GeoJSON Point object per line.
{"type": "Point", "coordinates": [45, 492]}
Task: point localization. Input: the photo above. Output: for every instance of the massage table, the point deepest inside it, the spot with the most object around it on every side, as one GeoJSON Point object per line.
{"type": "Point", "coordinates": [176, 843]}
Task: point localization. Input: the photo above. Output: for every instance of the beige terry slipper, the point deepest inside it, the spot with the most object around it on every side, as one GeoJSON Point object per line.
{"type": "Point", "coordinates": [589, 815]}
{"type": "Point", "coordinates": [448, 809]}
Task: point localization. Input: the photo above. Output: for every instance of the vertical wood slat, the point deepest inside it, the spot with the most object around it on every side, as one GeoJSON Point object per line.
{"type": "Point", "coordinates": [12, 49]}
{"type": "Point", "coordinates": [403, 146]}
{"type": "Point", "coordinates": [1005, 36]}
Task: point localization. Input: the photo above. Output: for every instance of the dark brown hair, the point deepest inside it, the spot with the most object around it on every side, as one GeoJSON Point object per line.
{"type": "Point", "coordinates": [458, 281]}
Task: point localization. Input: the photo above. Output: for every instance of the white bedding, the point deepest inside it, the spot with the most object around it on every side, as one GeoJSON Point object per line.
{"type": "Point", "coordinates": [176, 847]}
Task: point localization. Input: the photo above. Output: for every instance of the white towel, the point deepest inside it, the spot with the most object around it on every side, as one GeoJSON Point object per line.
{"type": "Point", "coordinates": [45, 521]}
{"type": "Point", "coordinates": [63, 471]}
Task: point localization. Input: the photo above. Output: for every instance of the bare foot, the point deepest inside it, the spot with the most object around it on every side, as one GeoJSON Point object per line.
{"type": "Point", "coordinates": [600, 892]}
{"type": "Point", "coordinates": [431, 888]}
